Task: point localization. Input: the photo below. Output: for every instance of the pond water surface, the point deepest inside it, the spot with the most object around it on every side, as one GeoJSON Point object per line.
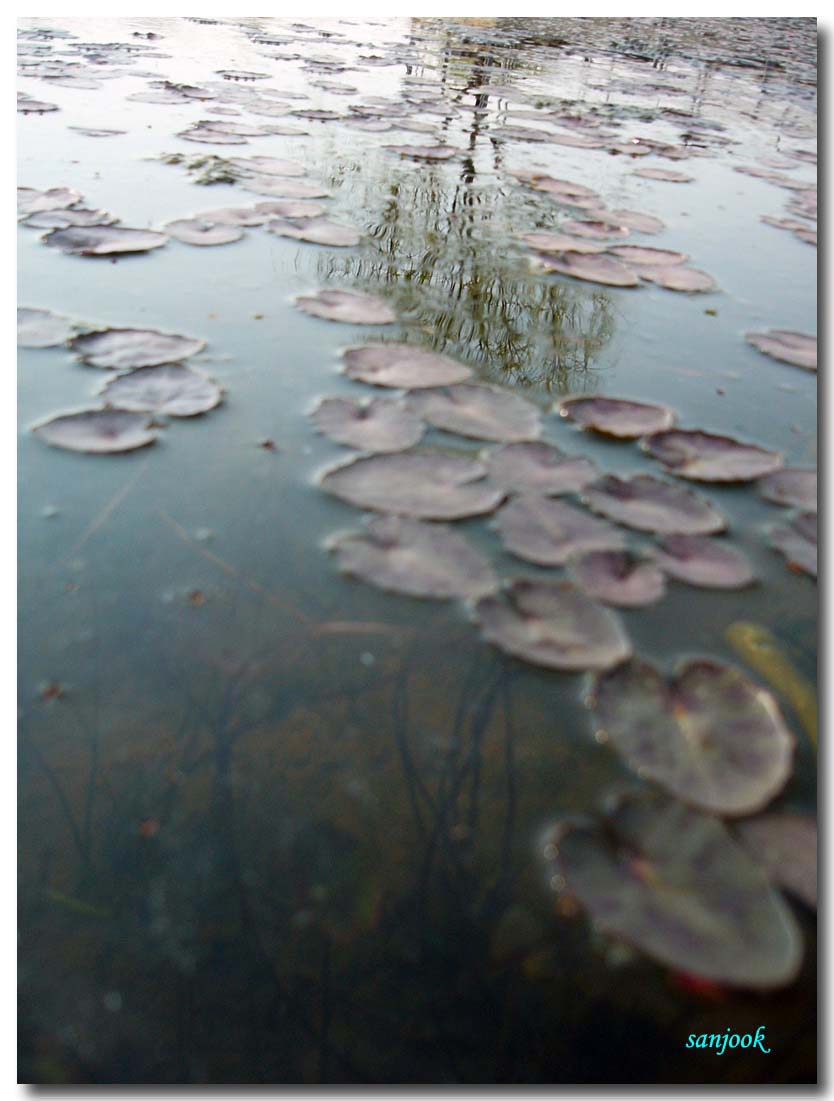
{"type": "Point", "coordinates": [277, 825]}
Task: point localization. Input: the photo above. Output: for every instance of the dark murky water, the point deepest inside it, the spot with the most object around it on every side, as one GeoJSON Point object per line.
{"type": "Point", "coordinates": [277, 826]}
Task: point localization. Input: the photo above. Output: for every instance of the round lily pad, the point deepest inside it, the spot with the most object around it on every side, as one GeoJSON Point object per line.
{"type": "Point", "coordinates": [98, 431]}
{"type": "Point", "coordinates": [596, 230]}
{"type": "Point", "coordinates": [616, 417]}
{"type": "Point", "coordinates": [639, 222]}
{"type": "Point", "coordinates": [121, 349]}
{"type": "Point", "coordinates": [798, 542]}
{"type": "Point", "coordinates": [649, 504]}
{"type": "Point", "coordinates": [268, 166]}
{"type": "Point", "coordinates": [708, 563]}
{"type": "Point", "coordinates": [791, 487]}
{"type": "Point", "coordinates": [380, 424]}
{"type": "Point", "coordinates": [592, 269]}
{"type": "Point", "coordinates": [481, 412]}
{"type": "Point", "coordinates": [561, 242]}
{"type": "Point", "coordinates": [798, 349]}
{"type": "Point", "coordinates": [786, 847]}
{"type": "Point", "coordinates": [672, 882]}
{"type": "Point", "coordinates": [552, 624]}
{"type": "Point", "coordinates": [549, 532]}
{"type": "Point", "coordinates": [234, 216]}
{"type": "Point", "coordinates": [169, 389]}
{"type": "Point", "coordinates": [103, 240]}
{"type": "Point", "coordinates": [562, 189]}
{"type": "Point", "coordinates": [705, 457]}
{"type": "Point", "coordinates": [640, 254]}
{"type": "Point", "coordinates": [351, 307]}
{"type": "Point", "coordinates": [290, 208]}
{"type": "Point", "coordinates": [283, 188]}
{"type": "Point", "coordinates": [539, 468]}
{"type": "Point", "coordinates": [425, 485]}
{"type": "Point", "coordinates": [414, 558]}
{"type": "Point", "coordinates": [668, 175]}
{"type": "Point", "coordinates": [673, 278]}
{"type": "Point", "coordinates": [319, 231]}
{"type": "Point", "coordinates": [60, 219]}
{"type": "Point", "coordinates": [199, 231]}
{"type": "Point", "coordinates": [42, 329]}
{"type": "Point", "coordinates": [709, 735]}
{"type": "Point", "coordinates": [210, 135]}
{"type": "Point", "coordinates": [402, 367]}
{"type": "Point", "coordinates": [619, 578]}
{"type": "Point", "coordinates": [32, 201]}
{"type": "Point", "coordinates": [424, 152]}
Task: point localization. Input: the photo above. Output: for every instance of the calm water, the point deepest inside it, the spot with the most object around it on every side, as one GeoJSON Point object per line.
{"type": "Point", "coordinates": [277, 826]}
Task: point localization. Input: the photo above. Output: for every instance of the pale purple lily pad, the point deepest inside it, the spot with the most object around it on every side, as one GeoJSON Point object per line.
{"type": "Point", "coordinates": [97, 431]}
{"type": "Point", "coordinates": [283, 188]}
{"type": "Point", "coordinates": [786, 847]}
{"type": "Point", "coordinates": [709, 735]}
{"type": "Point", "coordinates": [604, 270]}
{"type": "Point", "coordinates": [169, 389]}
{"type": "Point", "coordinates": [640, 254]}
{"type": "Point", "coordinates": [791, 487]}
{"type": "Point", "coordinates": [536, 467]}
{"type": "Point", "coordinates": [268, 166]}
{"type": "Point", "coordinates": [798, 349]}
{"type": "Point", "coordinates": [199, 231]}
{"type": "Point", "coordinates": [378, 425]}
{"type": "Point", "coordinates": [639, 222]}
{"type": "Point", "coordinates": [402, 367]}
{"type": "Point", "coordinates": [28, 106]}
{"type": "Point", "coordinates": [617, 417]}
{"type": "Point", "coordinates": [554, 625]}
{"type": "Point", "coordinates": [672, 882]}
{"type": "Point", "coordinates": [549, 532]}
{"type": "Point", "coordinates": [103, 240]}
{"type": "Point", "coordinates": [666, 174]}
{"type": "Point", "coordinates": [234, 216]}
{"type": "Point", "coordinates": [32, 201]}
{"type": "Point", "coordinates": [572, 194]}
{"type": "Point", "coordinates": [207, 135]}
{"type": "Point", "coordinates": [424, 152]}
{"type": "Point", "coordinates": [318, 231]}
{"type": "Point", "coordinates": [424, 485]}
{"type": "Point", "coordinates": [351, 307]}
{"type": "Point", "coordinates": [561, 242]}
{"type": "Point", "coordinates": [596, 230]}
{"type": "Point", "coordinates": [290, 208]}
{"type": "Point", "coordinates": [798, 542]}
{"type": "Point", "coordinates": [42, 329]}
{"type": "Point", "coordinates": [649, 504]}
{"type": "Point", "coordinates": [121, 349]}
{"type": "Point", "coordinates": [674, 278]}
{"type": "Point", "coordinates": [619, 578]}
{"type": "Point", "coordinates": [414, 558]}
{"type": "Point", "coordinates": [61, 219]}
{"type": "Point", "coordinates": [706, 457]}
{"type": "Point", "coordinates": [706, 563]}
{"type": "Point", "coordinates": [480, 412]}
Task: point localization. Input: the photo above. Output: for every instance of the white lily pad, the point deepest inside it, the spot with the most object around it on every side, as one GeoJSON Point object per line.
{"type": "Point", "coordinates": [121, 349]}
{"type": "Point", "coordinates": [103, 240]}
{"type": "Point", "coordinates": [798, 349]}
{"type": "Point", "coordinates": [791, 487]}
{"type": "Point", "coordinates": [480, 412]}
{"type": "Point", "coordinates": [350, 307]}
{"type": "Point", "coordinates": [402, 367]}
{"type": "Point", "coordinates": [42, 329]}
{"type": "Point", "coordinates": [97, 431]}
{"type": "Point", "coordinates": [798, 542]}
{"type": "Point", "coordinates": [786, 847]}
{"type": "Point", "coordinates": [319, 231]}
{"type": "Point", "coordinates": [380, 424]}
{"type": "Point", "coordinates": [200, 231]}
{"type": "Point", "coordinates": [170, 389]}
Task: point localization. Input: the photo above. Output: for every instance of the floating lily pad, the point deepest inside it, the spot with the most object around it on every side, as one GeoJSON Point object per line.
{"type": "Point", "coordinates": [424, 152]}
{"type": "Point", "coordinates": [284, 188]}
{"type": "Point", "coordinates": [233, 216]}
{"type": "Point", "coordinates": [549, 532]}
{"type": "Point", "coordinates": [552, 624]}
{"type": "Point", "coordinates": [268, 166]}
{"type": "Point", "coordinates": [539, 468]}
{"type": "Point", "coordinates": [598, 230]}
{"type": "Point", "coordinates": [352, 307]}
{"type": "Point", "coordinates": [619, 578]}
{"type": "Point", "coordinates": [480, 412]}
{"type": "Point", "coordinates": [617, 417]}
{"type": "Point", "coordinates": [593, 269]}
{"type": "Point", "coordinates": [798, 349]}
{"type": "Point", "coordinates": [709, 735]}
{"type": "Point", "coordinates": [289, 208]}
{"type": "Point", "coordinates": [199, 231]}
{"type": "Point", "coordinates": [414, 558]}
{"type": "Point", "coordinates": [98, 431]}
{"type": "Point", "coordinates": [791, 487]}
{"type": "Point", "coordinates": [649, 504]}
{"type": "Point", "coordinates": [674, 883]}
{"type": "Point", "coordinates": [42, 329]}
{"type": "Point", "coordinates": [705, 457]}
{"type": "Point", "coordinates": [208, 135]}
{"type": "Point", "coordinates": [561, 242]}
{"type": "Point", "coordinates": [319, 231]}
{"type": "Point", "coordinates": [402, 367]}
{"type": "Point", "coordinates": [124, 348]}
{"type": "Point", "coordinates": [639, 222]}
{"type": "Point", "coordinates": [103, 240]}
{"type": "Point", "coordinates": [672, 278]}
{"type": "Point", "coordinates": [91, 132]}
{"type": "Point", "coordinates": [798, 542]}
{"type": "Point", "coordinates": [786, 847]}
{"type": "Point", "coordinates": [425, 485]}
{"type": "Point", "coordinates": [571, 193]}
{"type": "Point", "coordinates": [639, 254]}
{"type": "Point", "coordinates": [60, 219]}
{"type": "Point", "coordinates": [381, 424]}
{"type": "Point", "coordinates": [29, 106]}
{"type": "Point", "coordinates": [707, 563]}
{"type": "Point", "coordinates": [170, 389]}
{"type": "Point", "coordinates": [32, 201]}
{"type": "Point", "coordinates": [666, 174]}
